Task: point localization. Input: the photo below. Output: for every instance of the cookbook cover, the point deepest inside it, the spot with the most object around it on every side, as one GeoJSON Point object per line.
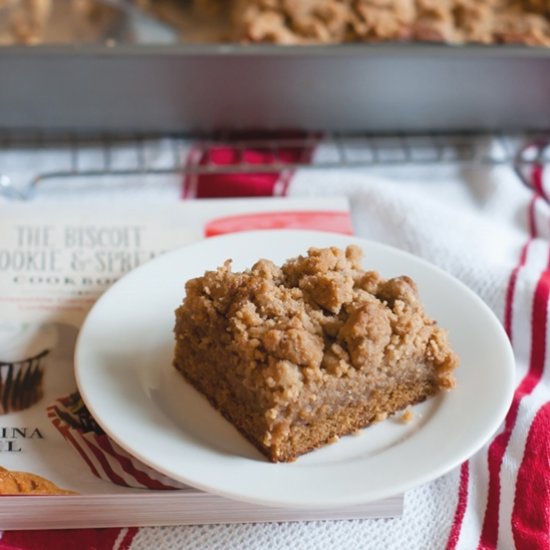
{"type": "Point", "coordinates": [54, 264]}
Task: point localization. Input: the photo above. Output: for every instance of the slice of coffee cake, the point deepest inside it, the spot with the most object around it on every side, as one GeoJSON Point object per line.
{"type": "Point", "coordinates": [298, 355]}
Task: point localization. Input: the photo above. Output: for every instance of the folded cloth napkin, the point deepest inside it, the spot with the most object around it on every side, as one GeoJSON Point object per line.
{"type": "Point", "coordinates": [491, 231]}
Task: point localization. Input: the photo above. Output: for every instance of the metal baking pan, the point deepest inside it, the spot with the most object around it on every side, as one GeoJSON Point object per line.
{"type": "Point", "coordinates": [201, 88]}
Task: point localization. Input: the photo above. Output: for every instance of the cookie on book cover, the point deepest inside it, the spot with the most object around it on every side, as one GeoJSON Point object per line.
{"type": "Point", "coordinates": [24, 352]}
{"type": "Point", "coordinates": [26, 483]}
{"type": "Point", "coordinates": [104, 457]}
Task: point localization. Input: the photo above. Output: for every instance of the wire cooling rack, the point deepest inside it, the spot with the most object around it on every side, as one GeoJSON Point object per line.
{"type": "Point", "coordinates": [97, 156]}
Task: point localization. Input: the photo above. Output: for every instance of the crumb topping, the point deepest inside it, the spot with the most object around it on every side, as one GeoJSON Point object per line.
{"type": "Point", "coordinates": [316, 318]}
{"type": "Point", "coordinates": [408, 416]}
{"type": "Point", "coordinates": [451, 21]}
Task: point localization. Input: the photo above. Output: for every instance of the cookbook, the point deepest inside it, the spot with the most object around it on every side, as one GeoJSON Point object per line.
{"type": "Point", "coordinates": [58, 468]}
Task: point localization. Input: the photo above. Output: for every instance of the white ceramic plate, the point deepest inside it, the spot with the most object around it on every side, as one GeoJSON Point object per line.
{"type": "Point", "coordinates": [124, 373]}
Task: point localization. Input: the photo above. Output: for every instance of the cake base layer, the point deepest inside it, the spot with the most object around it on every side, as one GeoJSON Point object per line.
{"type": "Point", "coordinates": [310, 436]}
{"type": "Point", "coordinates": [322, 426]}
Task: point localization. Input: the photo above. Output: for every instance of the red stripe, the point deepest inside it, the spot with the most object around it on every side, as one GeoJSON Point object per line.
{"type": "Point", "coordinates": [460, 507]}
{"type": "Point", "coordinates": [65, 539]}
{"type": "Point", "coordinates": [531, 512]}
{"type": "Point", "coordinates": [326, 220]}
{"type": "Point", "coordinates": [489, 532]}
{"type": "Point", "coordinates": [537, 179]}
{"type": "Point", "coordinates": [128, 538]}
{"type": "Point", "coordinates": [508, 314]}
{"type": "Point", "coordinates": [109, 472]}
{"type": "Point", "coordinates": [539, 320]}
{"type": "Point", "coordinates": [126, 464]}
{"type": "Point", "coordinates": [66, 433]}
{"type": "Point", "coordinates": [248, 184]}
{"type": "Point", "coordinates": [511, 290]}
{"type": "Point", "coordinates": [532, 217]}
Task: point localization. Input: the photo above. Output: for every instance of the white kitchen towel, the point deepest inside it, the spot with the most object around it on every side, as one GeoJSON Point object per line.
{"type": "Point", "coordinates": [488, 229]}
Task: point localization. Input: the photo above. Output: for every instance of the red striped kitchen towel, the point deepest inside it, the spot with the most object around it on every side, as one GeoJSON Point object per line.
{"type": "Point", "coordinates": [488, 229]}
{"type": "Point", "coordinates": [261, 183]}
{"type": "Point", "coordinates": [514, 482]}
{"type": "Point", "coordinates": [491, 231]}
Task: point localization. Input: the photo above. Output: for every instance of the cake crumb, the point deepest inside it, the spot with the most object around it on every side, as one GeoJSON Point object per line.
{"type": "Point", "coordinates": [333, 439]}
{"type": "Point", "coordinates": [407, 416]}
{"type": "Point", "coordinates": [380, 417]}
